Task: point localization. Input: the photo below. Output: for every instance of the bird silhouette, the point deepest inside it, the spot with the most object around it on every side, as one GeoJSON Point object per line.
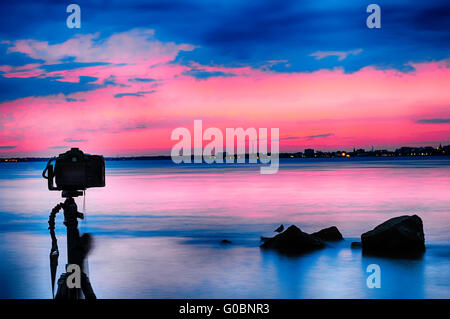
{"type": "Point", "coordinates": [279, 229]}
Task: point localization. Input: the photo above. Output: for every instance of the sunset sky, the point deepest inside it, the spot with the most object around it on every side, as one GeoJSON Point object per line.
{"type": "Point", "coordinates": [138, 69]}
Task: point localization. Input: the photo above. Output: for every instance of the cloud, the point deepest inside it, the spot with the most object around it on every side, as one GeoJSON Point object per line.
{"type": "Point", "coordinates": [319, 136]}
{"type": "Point", "coordinates": [87, 79]}
{"type": "Point", "coordinates": [7, 147]}
{"type": "Point", "coordinates": [202, 74]}
{"type": "Point", "coordinates": [70, 66]}
{"type": "Point", "coordinates": [308, 106]}
{"type": "Point", "coordinates": [128, 125]}
{"type": "Point", "coordinates": [138, 94]}
{"type": "Point", "coordinates": [69, 99]}
{"type": "Point", "coordinates": [255, 65]}
{"type": "Point", "coordinates": [87, 62]}
{"type": "Point", "coordinates": [57, 147]}
{"type": "Point", "coordinates": [141, 80]}
{"type": "Point", "coordinates": [133, 126]}
{"type": "Point", "coordinates": [248, 32]}
{"type": "Point", "coordinates": [290, 138]}
{"type": "Point", "coordinates": [134, 45]}
{"type": "Point", "coordinates": [71, 140]}
{"type": "Point", "coordinates": [434, 121]}
{"type": "Point", "coordinates": [341, 55]}
{"type": "Point", "coordinates": [310, 137]}
{"type": "Point", "coordinates": [14, 88]}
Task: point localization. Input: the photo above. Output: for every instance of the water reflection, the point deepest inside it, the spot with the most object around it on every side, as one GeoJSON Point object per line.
{"type": "Point", "coordinates": [167, 267]}
{"type": "Point", "coordinates": [400, 278]}
{"type": "Point", "coordinates": [158, 229]}
{"type": "Point", "coordinates": [353, 195]}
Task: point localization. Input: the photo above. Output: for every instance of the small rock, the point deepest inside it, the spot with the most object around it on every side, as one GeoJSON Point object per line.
{"type": "Point", "coordinates": [329, 234]}
{"type": "Point", "coordinates": [279, 229]}
{"type": "Point", "coordinates": [293, 240]}
{"type": "Point", "coordinates": [225, 242]}
{"type": "Point", "coordinates": [399, 234]}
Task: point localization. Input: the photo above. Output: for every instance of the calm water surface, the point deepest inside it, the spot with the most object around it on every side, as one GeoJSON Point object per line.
{"type": "Point", "coordinates": [158, 228]}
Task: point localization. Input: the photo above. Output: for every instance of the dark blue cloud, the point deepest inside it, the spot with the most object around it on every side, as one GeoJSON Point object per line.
{"type": "Point", "coordinates": [434, 121]}
{"type": "Point", "coordinates": [138, 94]}
{"type": "Point", "coordinates": [141, 80]}
{"type": "Point", "coordinates": [86, 79]}
{"type": "Point", "coordinates": [14, 88]}
{"type": "Point", "coordinates": [202, 74]}
{"type": "Point", "coordinates": [320, 136]}
{"type": "Point", "coordinates": [70, 99]}
{"type": "Point", "coordinates": [70, 66]}
{"type": "Point", "coordinates": [238, 32]}
{"type": "Point", "coordinates": [15, 58]}
{"type": "Point", "coordinates": [310, 137]}
{"type": "Point", "coordinates": [58, 147]}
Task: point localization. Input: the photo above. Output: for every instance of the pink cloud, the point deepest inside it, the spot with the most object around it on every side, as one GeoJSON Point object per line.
{"type": "Point", "coordinates": [341, 55]}
{"type": "Point", "coordinates": [364, 108]}
{"type": "Point", "coordinates": [134, 45]}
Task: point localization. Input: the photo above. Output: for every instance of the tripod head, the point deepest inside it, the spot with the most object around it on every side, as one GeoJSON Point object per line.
{"type": "Point", "coordinates": [70, 194]}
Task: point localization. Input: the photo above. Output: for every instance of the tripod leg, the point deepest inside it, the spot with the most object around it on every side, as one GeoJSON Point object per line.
{"type": "Point", "coordinates": [61, 292]}
{"type": "Point", "coordinates": [65, 292]}
{"type": "Point", "coordinates": [78, 248]}
{"type": "Point", "coordinates": [86, 287]}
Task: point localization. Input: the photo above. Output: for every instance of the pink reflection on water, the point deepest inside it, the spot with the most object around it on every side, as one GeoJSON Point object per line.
{"type": "Point", "coordinates": [355, 196]}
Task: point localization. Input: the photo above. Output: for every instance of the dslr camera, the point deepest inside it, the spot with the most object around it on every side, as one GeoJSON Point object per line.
{"type": "Point", "coordinates": [75, 171]}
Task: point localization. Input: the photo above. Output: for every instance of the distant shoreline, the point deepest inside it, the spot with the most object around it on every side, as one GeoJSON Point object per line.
{"type": "Point", "coordinates": [281, 155]}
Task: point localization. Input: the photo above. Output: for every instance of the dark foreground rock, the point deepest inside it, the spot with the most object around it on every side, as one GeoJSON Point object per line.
{"type": "Point", "coordinates": [402, 234]}
{"type": "Point", "coordinates": [293, 241]}
{"type": "Point", "coordinates": [225, 242]}
{"type": "Point", "coordinates": [264, 239]}
{"type": "Point", "coordinates": [329, 234]}
{"type": "Point", "coordinates": [355, 245]}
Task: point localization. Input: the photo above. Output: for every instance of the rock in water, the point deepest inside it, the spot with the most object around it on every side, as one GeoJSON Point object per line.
{"type": "Point", "coordinates": [279, 229]}
{"type": "Point", "coordinates": [329, 234]}
{"type": "Point", "coordinates": [399, 234]}
{"type": "Point", "coordinates": [355, 245]}
{"type": "Point", "coordinates": [264, 239]}
{"type": "Point", "coordinates": [225, 242]}
{"type": "Point", "coordinates": [293, 240]}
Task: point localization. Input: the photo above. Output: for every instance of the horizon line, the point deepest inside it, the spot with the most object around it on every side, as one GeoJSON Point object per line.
{"type": "Point", "coordinates": [355, 149]}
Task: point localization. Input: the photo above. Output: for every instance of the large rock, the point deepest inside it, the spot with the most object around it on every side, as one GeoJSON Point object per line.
{"type": "Point", "coordinates": [293, 240]}
{"type": "Point", "coordinates": [402, 234]}
{"type": "Point", "coordinates": [264, 239]}
{"type": "Point", "coordinates": [329, 234]}
{"type": "Point", "coordinates": [355, 245]}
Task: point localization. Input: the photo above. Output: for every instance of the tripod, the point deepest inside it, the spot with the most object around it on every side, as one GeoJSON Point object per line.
{"type": "Point", "coordinates": [77, 249]}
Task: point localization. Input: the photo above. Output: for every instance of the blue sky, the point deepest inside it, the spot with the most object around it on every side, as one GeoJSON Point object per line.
{"type": "Point", "coordinates": [251, 32]}
{"type": "Point", "coordinates": [136, 69]}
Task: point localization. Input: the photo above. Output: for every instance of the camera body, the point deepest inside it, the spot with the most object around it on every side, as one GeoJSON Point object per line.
{"type": "Point", "coordinates": [75, 171]}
